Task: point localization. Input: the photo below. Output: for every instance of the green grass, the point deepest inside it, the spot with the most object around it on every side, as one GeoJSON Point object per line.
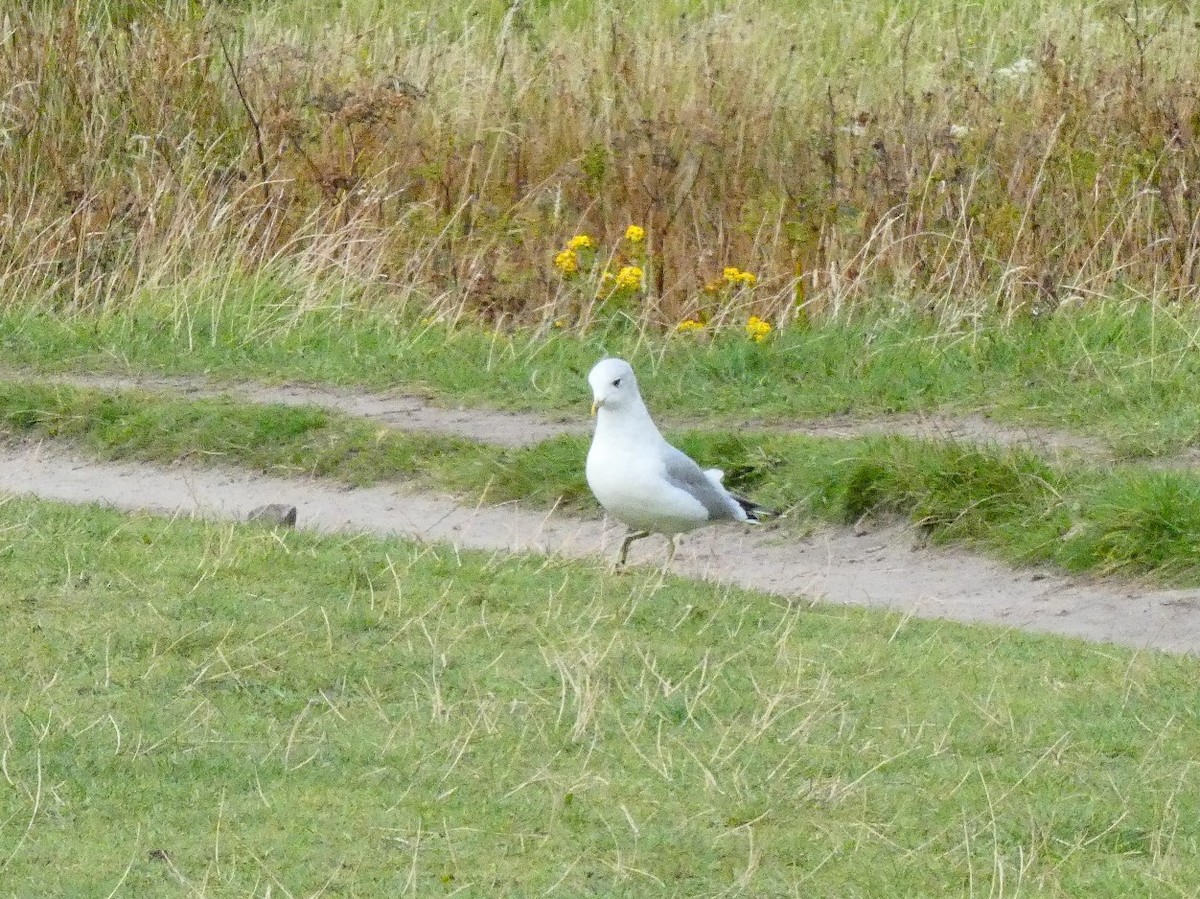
{"type": "Point", "coordinates": [199, 709]}
{"type": "Point", "coordinates": [284, 440]}
{"type": "Point", "coordinates": [1123, 374]}
{"type": "Point", "coordinates": [1098, 519]}
{"type": "Point", "coordinates": [947, 209]}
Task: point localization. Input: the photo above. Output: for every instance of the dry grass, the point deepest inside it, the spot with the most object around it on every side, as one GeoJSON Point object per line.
{"type": "Point", "coordinates": [434, 165]}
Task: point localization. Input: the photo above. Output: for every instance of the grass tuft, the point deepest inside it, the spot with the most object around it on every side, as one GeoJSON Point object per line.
{"type": "Point", "coordinates": [945, 487]}
{"type": "Point", "coordinates": [1143, 520]}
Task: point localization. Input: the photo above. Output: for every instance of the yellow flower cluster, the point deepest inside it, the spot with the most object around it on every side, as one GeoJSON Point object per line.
{"type": "Point", "coordinates": [736, 276]}
{"type": "Point", "coordinates": [757, 329]}
{"type": "Point", "coordinates": [689, 326]}
{"type": "Point", "coordinates": [567, 262]}
{"type": "Point", "coordinates": [629, 278]}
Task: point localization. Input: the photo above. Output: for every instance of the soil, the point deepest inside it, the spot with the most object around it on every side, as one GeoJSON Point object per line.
{"type": "Point", "coordinates": [887, 567]}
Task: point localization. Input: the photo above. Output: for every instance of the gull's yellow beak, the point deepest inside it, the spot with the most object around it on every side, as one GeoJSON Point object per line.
{"type": "Point", "coordinates": [594, 406]}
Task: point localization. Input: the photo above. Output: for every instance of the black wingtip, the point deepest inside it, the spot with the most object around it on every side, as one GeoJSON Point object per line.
{"type": "Point", "coordinates": [754, 512]}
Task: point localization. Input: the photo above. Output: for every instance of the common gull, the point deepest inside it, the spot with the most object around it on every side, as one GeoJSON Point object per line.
{"type": "Point", "coordinates": [639, 478]}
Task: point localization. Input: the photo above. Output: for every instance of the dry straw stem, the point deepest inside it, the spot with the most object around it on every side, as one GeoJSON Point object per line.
{"type": "Point", "coordinates": [1020, 159]}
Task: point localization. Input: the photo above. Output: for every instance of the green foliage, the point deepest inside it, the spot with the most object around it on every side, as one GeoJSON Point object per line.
{"type": "Point", "coordinates": [212, 709]}
{"type": "Point", "coordinates": [1141, 520]}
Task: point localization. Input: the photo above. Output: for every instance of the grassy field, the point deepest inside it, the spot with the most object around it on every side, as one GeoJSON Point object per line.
{"type": "Point", "coordinates": [216, 710]}
{"type": "Point", "coordinates": [774, 210]}
{"type": "Point", "coordinates": [1125, 376]}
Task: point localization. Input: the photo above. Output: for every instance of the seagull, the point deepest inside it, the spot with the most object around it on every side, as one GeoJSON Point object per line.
{"type": "Point", "coordinates": [639, 478]}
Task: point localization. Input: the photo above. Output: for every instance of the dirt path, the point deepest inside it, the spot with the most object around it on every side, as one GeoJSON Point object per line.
{"type": "Point", "coordinates": [882, 569]}
{"type": "Point", "coordinates": [516, 429]}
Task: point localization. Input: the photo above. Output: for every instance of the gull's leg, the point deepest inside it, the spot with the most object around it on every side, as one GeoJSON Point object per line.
{"type": "Point", "coordinates": [629, 538]}
{"type": "Point", "coordinates": [670, 549]}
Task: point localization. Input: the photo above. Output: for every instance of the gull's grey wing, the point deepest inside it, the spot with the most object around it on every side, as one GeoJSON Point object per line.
{"type": "Point", "coordinates": [685, 474]}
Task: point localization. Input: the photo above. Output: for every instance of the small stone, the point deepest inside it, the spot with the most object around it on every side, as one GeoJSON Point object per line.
{"type": "Point", "coordinates": [274, 514]}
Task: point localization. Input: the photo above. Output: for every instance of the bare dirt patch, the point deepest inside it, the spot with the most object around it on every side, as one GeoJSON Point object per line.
{"type": "Point", "coordinates": [881, 569]}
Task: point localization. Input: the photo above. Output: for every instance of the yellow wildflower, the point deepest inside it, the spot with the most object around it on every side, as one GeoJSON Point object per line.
{"type": "Point", "coordinates": [733, 275]}
{"type": "Point", "coordinates": [581, 242]}
{"type": "Point", "coordinates": [629, 278]}
{"type": "Point", "coordinates": [635, 234]}
{"type": "Point", "coordinates": [688, 326]}
{"type": "Point", "coordinates": [757, 329]}
{"type": "Point", "coordinates": [567, 262]}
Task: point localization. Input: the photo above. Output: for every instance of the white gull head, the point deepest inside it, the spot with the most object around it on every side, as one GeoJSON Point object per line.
{"type": "Point", "coordinates": [614, 386]}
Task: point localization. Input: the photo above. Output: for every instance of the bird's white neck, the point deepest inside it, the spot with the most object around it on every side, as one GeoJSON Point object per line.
{"type": "Point", "coordinates": [631, 418]}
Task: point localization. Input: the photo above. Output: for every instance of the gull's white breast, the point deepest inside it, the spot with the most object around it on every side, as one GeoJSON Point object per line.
{"type": "Point", "coordinates": [629, 479]}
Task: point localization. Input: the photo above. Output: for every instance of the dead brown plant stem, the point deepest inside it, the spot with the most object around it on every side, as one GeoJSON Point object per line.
{"type": "Point", "coordinates": [254, 123]}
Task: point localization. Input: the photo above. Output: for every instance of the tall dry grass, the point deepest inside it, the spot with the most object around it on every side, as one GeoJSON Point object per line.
{"type": "Point", "coordinates": [435, 165]}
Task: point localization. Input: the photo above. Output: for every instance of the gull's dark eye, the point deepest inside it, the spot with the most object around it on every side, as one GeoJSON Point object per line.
{"type": "Point", "coordinates": [617, 382]}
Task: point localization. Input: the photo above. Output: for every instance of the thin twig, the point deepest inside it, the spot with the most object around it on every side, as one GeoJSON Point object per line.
{"type": "Point", "coordinates": [258, 140]}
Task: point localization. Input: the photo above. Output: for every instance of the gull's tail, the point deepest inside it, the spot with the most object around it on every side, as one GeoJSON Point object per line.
{"type": "Point", "coordinates": [752, 509]}
{"type": "Point", "coordinates": [754, 512]}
